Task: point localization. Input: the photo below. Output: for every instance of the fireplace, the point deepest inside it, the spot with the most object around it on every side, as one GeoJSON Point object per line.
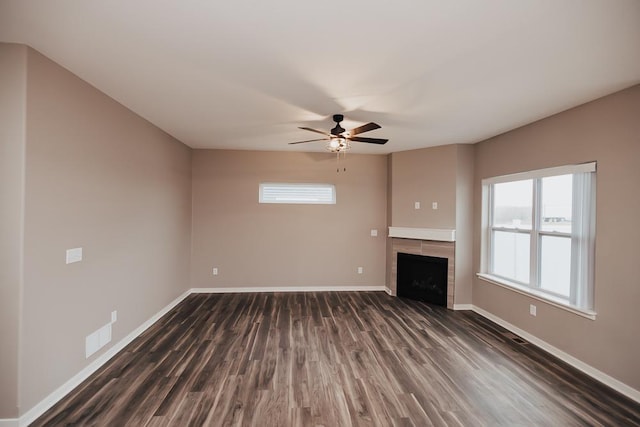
{"type": "Point", "coordinates": [422, 278]}
{"type": "Point", "coordinates": [431, 248]}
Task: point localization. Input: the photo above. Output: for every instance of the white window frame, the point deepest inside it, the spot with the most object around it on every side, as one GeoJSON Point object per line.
{"type": "Point", "coordinates": [582, 238]}
{"type": "Point", "coordinates": [297, 193]}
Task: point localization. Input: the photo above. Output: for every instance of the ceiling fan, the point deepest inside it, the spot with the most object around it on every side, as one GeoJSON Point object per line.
{"type": "Point", "coordinates": [339, 139]}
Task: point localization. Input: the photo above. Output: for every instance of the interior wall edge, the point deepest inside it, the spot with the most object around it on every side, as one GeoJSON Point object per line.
{"type": "Point", "coordinates": [13, 89]}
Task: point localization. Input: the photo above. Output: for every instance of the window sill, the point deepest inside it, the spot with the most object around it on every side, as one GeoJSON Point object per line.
{"type": "Point", "coordinates": [588, 314]}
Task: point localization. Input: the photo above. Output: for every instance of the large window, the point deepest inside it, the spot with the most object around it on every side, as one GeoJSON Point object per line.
{"type": "Point", "coordinates": [539, 232]}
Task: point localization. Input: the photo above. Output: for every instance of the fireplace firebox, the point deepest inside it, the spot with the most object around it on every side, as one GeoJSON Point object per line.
{"type": "Point", "coordinates": [422, 278]}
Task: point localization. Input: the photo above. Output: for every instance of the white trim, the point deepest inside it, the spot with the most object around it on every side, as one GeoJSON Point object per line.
{"type": "Point", "coordinates": [287, 289]}
{"type": "Point", "coordinates": [423, 234]}
{"type": "Point", "coordinates": [10, 422]}
{"type": "Point", "coordinates": [457, 307]}
{"type": "Point", "coordinates": [388, 290]}
{"type": "Point", "coordinates": [608, 380]}
{"type": "Point", "coordinates": [77, 379]}
{"type": "Point", "coordinates": [542, 173]}
{"type": "Point", "coordinates": [588, 314]}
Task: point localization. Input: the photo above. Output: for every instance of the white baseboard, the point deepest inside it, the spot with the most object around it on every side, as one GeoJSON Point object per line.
{"type": "Point", "coordinates": [608, 380]}
{"type": "Point", "coordinates": [9, 422]}
{"type": "Point", "coordinates": [75, 381]}
{"type": "Point", "coordinates": [462, 307]}
{"type": "Point", "coordinates": [287, 289]}
{"type": "Point", "coordinates": [388, 290]}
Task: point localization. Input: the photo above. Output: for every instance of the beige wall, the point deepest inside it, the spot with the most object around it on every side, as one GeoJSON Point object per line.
{"type": "Point", "coordinates": [13, 65]}
{"type": "Point", "coordinates": [607, 131]}
{"type": "Point", "coordinates": [444, 175]}
{"type": "Point", "coordinates": [389, 256]}
{"type": "Point", "coordinates": [267, 245]}
{"type": "Point", "coordinates": [426, 175]}
{"type": "Point", "coordinates": [98, 177]}
{"type": "Point", "coordinates": [464, 224]}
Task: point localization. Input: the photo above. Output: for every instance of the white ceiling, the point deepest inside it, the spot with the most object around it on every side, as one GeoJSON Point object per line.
{"type": "Point", "coordinates": [244, 74]}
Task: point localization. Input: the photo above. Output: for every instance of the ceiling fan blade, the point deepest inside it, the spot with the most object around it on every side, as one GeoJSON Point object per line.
{"type": "Point", "coordinates": [314, 130]}
{"type": "Point", "coordinates": [310, 140]}
{"type": "Point", "coordinates": [368, 140]}
{"type": "Point", "coordinates": [364, 128]}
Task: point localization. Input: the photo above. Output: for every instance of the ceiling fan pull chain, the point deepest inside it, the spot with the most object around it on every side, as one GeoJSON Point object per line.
{"type": "Point", "coordinates": [344, 155]}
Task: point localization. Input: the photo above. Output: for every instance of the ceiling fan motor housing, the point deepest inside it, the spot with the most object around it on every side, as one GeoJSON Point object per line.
{"type": "Point", "coordinates": [338, 129]}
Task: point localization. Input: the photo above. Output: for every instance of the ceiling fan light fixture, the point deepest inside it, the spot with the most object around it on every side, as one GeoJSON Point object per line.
{"type": "Point", "coordinates": [338, 145]}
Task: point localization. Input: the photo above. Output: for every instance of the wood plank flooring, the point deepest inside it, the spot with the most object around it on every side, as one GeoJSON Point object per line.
{"type": "Point", "coordinates": [334, 359]}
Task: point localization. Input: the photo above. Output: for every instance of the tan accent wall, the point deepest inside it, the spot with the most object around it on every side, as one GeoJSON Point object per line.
{"type": "Point", "coordinates": [426, 175]}
{"type": "Point", "coordinates": [389, 278]}
{"type": "Point", "coordinates": [284, 245]}
{"type": "Point", "coordinates": [13, 90]}
{"type": "Point", "coordinates": [464, 223]}
{"type": "Point", "coordinates": [98, 177]}
{"type": "Point", "coordinates": [607, 131]}
{"type": "Point", "coordinates": [444, 175]}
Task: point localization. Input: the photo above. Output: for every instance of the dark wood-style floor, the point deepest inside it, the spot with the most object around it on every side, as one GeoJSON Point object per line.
{"type": "Point", "coordinates": [334, 359]}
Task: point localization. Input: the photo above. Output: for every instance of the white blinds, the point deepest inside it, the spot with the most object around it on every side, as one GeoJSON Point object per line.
{"type": "Point", "coordinates": [297, 193]}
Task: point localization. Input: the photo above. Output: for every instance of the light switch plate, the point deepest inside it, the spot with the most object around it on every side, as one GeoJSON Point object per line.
{"type": "Point", "coordinates": [74, 255]}
{"type": "Point", "coordinates": [374, 233]}
{"type": "Point", "coordinates": [434, 205]}
{"type": "Point", "coordinates": [416, 205]}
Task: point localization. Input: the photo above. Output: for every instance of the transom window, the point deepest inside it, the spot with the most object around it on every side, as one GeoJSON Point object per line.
{"type": "Point", "coordinates": [297, 193]}
{"type": "Point", "coordinates": [539, 233]}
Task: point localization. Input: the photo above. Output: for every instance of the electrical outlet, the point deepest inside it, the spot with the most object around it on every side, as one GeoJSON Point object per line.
{"type": "Point", "coordinates": [215, 271]}
{"type": "Point", "coordinates": [360, 270]}
{"type": "Point", "coordinates": [434, 205]}
{"type": "Point", "coordinates": [532, 309]}
{"type": "Point", "coordinates": [374, 232]}
{"type": "Point", "coordinates": [416, 205]}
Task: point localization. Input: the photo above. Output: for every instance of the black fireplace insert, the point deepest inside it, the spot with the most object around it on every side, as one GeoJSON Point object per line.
{"type": "Point", "coordinates": [422, 278]}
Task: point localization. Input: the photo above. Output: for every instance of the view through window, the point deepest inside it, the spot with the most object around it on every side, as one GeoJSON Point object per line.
{"type": "Point", "coordinates": [540, 231]}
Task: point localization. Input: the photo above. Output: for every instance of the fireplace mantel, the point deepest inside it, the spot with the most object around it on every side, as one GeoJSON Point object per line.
{"type": "Point", "coordinates": [423, 234]}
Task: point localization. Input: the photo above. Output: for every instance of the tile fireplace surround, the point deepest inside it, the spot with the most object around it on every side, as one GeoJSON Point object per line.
{"type": "Point", "coordinates": [423, 241]}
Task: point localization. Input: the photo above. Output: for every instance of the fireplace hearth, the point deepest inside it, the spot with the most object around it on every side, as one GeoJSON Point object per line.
{"type": "Point", "coordinates": [422, 278]}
